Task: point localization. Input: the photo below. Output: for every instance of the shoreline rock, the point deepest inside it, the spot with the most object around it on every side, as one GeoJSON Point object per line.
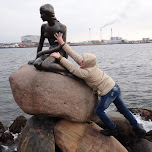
{"type": "Point", "coordinates": [2, 129]}
{"type": "Point", "coordinates": [125, 134]}
{"type": "Point", "coordinates": [18, 124]}
{"type": "Point", "coordinates": [37, 135]}
{"type": "Point", "coordinates": [84, 137]}
{"type": "Point", "coordinates": [144, 113]}
{"type": "Point", "coordinates": [50, 94]}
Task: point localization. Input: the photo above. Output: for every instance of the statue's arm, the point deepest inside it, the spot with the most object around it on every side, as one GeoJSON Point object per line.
{"type": "Point", "coordinates": [42, 38]}
{"type": "Point", "coordinates": [55, 49]}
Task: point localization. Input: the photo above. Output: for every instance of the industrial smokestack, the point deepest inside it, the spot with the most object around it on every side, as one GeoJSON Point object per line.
{"type": "Point", "coordinates": [101, 33]}
{"type": "Point", "coordinates": [89, 34]}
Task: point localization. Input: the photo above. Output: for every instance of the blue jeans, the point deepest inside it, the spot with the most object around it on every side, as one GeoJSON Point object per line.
{"type": "Point", "coordinates": [114, 96]}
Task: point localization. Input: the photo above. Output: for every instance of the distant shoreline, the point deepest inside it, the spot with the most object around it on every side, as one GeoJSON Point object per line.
{"type": "Point", "coordinates": [81, 44]}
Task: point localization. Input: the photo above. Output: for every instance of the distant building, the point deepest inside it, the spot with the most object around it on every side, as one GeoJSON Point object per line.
{"type": "Point", "coordinates": [115, 38]}
{"type": "Point", "coordinates": [146, 40]}
{"type": "Point", "coordinates": [30, 39]}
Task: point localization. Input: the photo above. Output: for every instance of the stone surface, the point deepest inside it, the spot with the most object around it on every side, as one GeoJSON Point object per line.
{"type": "Point", "coordinates": [2, 129]}
{"type": "Point", "coordinates": [1, 148]}
{"type": "Point", "coordinates": [125, 133]}
{"type": "Point", "coordinates": [84, 137]}
{"type": "Point", "coordinates": [143, 146]}
{"type": "Point", "coordinates": [37, 135]}
{"type": "Point", "coordinates": [46, 93]}
{"type": "Point", "coordinates": [144, 113]}
{"type": "Point", "coordinates": [149, 136]}
{"type": "Point", "coordinates": [7, 138]}
{"type": "Point", "coordinates": [18, 124]}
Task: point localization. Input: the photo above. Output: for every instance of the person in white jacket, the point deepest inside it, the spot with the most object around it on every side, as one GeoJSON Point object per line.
{"type": "Point", "coordinates": [105, 87]}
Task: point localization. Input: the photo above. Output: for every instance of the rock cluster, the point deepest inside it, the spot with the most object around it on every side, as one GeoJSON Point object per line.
{"type": "Point", "coordinates": [63, 120]}
{"type": "Point", "coordinates": [144, 113]}
{"type": "Point", "coordinates": [7, 135]}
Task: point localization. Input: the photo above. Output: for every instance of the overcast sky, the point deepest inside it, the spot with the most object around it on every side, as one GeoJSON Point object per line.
{"type": "Point", "coordinates": [129, 19]}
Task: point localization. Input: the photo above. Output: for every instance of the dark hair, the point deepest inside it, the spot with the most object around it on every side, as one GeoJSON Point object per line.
{"type": "Point", "coordinates": [48, 9]}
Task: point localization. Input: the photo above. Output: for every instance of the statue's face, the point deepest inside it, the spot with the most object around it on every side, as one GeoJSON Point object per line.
{"type": "Point", "coordinates": [44, 16]}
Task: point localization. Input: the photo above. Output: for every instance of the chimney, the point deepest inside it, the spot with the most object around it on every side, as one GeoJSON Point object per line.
{"type": "Point", "coordinates": [111, 33]}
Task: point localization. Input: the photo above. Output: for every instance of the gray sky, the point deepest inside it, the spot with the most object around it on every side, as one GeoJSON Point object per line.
{"type": "Point", "coordinates": [129, 19]}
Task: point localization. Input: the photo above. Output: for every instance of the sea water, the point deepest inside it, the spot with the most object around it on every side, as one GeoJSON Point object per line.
{"type": "Point", "coordinates": [130, 65]}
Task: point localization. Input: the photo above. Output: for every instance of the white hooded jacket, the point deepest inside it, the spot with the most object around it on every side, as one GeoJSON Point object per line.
{"type": "Point", "coordinates": [90, 73]}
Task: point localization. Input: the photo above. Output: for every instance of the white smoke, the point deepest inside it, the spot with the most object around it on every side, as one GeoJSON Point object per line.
{"type": "Point", "coordinates": [123, 14]}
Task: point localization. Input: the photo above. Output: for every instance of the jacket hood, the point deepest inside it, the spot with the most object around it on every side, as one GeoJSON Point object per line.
{"type": "Point", "coordinates": [89, 60]}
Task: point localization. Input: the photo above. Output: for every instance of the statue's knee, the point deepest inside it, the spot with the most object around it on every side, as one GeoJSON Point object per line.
{"type": "Point", "coordinates": [45, 66]}
{"type": "Point", "coordinates": [38, 64]}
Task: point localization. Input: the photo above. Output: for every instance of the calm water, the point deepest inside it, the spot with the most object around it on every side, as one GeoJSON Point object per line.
{"type": "Point", "coordinates": [130, 65]}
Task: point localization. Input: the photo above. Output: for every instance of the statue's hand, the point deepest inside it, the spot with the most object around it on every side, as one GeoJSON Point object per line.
{"type": "Point", "coordinates": [39, 54]}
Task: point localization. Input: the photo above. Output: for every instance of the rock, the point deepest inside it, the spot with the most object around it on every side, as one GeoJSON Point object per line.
{"type": "Point", "coordinates": [149, 136]}
{"type": "Point", "coordinates": [2, 129]}
{"type": "Point", "coordinates": [37, 135]}
{"type": "Point", "coordinates": [7, 138]}
{"type": "Point", "coordinates": [84, 137]}
{"type": "Point", "coordinates": [18, 124]}
{"type": "Point", "coordinates": [143, 146]}
{"type": "Point", "coordinates": [47, 93]}
{"type": "Point", "coordinates": [1, 148]}
{"type": "Point", "coordinates": [126, 135]}
{"type": "Point", "coordinates": [144, 113]}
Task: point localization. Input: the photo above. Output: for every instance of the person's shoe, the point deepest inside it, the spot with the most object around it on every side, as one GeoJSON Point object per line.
{"type": "Point", "coordinates": [140, 133]}
{"type": "Point", "coordinates": [109, 132]}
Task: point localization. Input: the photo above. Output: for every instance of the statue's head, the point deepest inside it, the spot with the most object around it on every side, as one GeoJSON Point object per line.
{"type": "Point", "coordinates": [48, 10]}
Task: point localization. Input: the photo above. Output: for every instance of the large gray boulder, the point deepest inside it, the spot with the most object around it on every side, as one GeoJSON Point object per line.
{"type": "Point", "coordinates": [143, 146]}
{"type": "Point", "coordinates": [47, 93]}
{"type": "Point", "coordinates": [84, 137]}
{"type": "Point", "coordinates": [37, 135]}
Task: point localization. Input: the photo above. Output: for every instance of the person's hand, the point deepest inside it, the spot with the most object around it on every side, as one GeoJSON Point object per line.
{"type": "Point", "coordinates": [55, 55]}
{"type": "Point", "coordinates": [58, 37]}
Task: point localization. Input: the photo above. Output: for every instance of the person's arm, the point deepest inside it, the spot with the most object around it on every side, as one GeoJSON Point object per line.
{"type": "Point", "coordinates": [79, 72]}
{"type": "Point", "coordinates": [76, 57]}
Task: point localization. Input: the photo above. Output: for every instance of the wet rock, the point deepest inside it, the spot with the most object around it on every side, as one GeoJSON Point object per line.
{"type": "Point", "coordinates": [2, 129]}
{"type": "Point", "coordinates": [37, 135]}
{"type": "Point", "coordinates": [84, 137]}
{"type": "Point", "coordinates": [143, 146]}
{"type": "Point", "coordinates": [18, 124]}
{"type": "Point", "coordinates": [149, 136]}
{"type": "Point", "coordinates": [144, 113]}
{"type": "Point", "coordinates": [47, 93]}
{"type": "Point", "coordinates": [126, 134]}
{"type": "Point", "coordinates": [7, 138]}
{"type": "Point", "coordinates": [1, 148]}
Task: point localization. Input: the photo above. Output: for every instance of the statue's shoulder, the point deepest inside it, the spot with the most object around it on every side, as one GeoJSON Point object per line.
{"type": "Point", "coordinates": [62, 27]}
{"type": "Point", "coordinates": [43, 26]}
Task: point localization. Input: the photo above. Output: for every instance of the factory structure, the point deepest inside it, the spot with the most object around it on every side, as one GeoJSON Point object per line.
{"type": "Point", "coordinates": [33, 41]}
{"type": "Point", "coordinates": [112, 40]}
{"type": "Point", "coordinates": [30, 39]}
